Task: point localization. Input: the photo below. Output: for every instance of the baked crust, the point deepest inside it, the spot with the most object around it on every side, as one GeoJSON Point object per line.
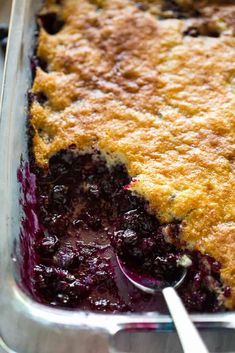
{"type": "Point", "coordinates": [150, 92]}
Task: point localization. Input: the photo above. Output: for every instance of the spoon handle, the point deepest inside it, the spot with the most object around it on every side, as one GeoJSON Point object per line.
{"type": "Point", "coordinates": [190, 339]}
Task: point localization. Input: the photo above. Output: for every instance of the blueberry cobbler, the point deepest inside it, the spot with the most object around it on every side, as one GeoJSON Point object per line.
{"type": "Point", "coordinates": [132, 148]}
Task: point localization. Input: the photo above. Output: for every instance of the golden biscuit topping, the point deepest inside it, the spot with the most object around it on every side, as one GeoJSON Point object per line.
{"type": "Point", "coordinates": [152, 87]}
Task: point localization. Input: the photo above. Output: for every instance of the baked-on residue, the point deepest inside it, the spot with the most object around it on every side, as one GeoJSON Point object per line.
{"type": "Point", "coordinates": [156, 90]}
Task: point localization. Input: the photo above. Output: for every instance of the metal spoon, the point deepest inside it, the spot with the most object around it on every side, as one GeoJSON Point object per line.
{"type": "Point", "coordinates": [189, 337]}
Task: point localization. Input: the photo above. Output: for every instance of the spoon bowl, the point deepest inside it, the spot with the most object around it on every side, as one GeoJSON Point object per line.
{"type": "Point", "coordinates": [149, 284]}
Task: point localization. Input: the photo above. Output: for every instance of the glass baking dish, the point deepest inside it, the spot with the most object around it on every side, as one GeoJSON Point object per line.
{"type": "Point", "coordinates": [29, 327]}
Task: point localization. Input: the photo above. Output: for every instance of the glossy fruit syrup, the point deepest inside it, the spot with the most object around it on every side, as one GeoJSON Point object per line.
{"type": "Point", "coordinates": [86, 215]}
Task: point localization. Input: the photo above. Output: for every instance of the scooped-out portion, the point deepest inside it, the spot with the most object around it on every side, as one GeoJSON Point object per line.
{"type": "Point", "coordinates": [87, 214]}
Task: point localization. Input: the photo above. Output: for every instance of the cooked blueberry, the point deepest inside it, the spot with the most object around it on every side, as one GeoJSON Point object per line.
{"type": "Point", "coordinates": [202, 30]}
{"type": "Point", "coordinates": [129, 237]}
{"type": "Point", "coordinates": [213, 265]}
{"type": "Point", "coordinates": [171, 5]}
{"type": "Point", "coordinates": [165, 263]}
{"type": "Point", "coordinates": [195, 301]}
{"type": "Point", "coordinates": [48, 245]}
{"type": "Point", "coordinates": [58, 224]}
{"type": "Point", "coordinates": [227, 292]}
{"type": "Point", "coordinates": [192, 32]}
{"type": "Point", "coordinates": [51, 22]}
{"type": "Point", "coordinates": [197, 280]}
{"type": "Point", "coordinates": [40, 97]}
{"type": "Point", "coordinates": [38, 62]}
{"type": "Point", "coordinates": [139, 221]}
{"type": "Point", "coordinates": [147, 265]}
{"type": "Point", "coordinates": [148, 246]}
{"type": "Point", "coordinates": [59, 196]}
{"type": "Point", "coordinates": [137, 253]}
{"type": "Point", "coordinates": [39, 277]}
{"type": "Point", "coordinates": [58, 166]}
{"type": "Point", "coordinates": [66, 258]}
{"type": "Point", "coordinates": [106, 187]}
{"type": "Point", "coordinates": [93, 191]}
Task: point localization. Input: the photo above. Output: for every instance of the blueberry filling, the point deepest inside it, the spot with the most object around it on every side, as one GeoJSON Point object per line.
{"type": "Point", "coordinates": [87, 214]}
{"type": "Point", "coordinates": [51, 23]}
{"type": "Point", "coordinates": [178, 11]}
{"type": "Point", "coordinates": [202, 30]}
{"type": "Point", "coordinates": [39, 97]}
{"type": "Point", "coordinates": [38, 62]}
